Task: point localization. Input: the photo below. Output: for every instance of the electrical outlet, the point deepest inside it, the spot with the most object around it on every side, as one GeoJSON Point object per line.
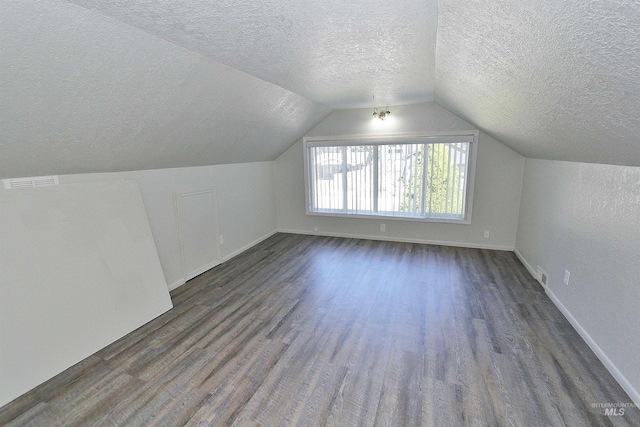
{"type": "Point", "coordinates": [383, 227]}
{"type": "Point", "coordinates": [315, 229]}
{"type": "Point", "coordinates": [221, 239]}
{"type": "Point", "coordinates": [566, 277]}
{"type": "Point", "coordinates": [486, 234]}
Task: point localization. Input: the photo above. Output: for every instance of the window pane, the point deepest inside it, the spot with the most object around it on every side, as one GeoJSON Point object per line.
{"type": "Point", "coordinates": [359, 174]}
{"type": "Point", "coordinates": [328, 178]}
{"type": "Point", "coordinates": [400, 169]}
{"type": "Point", "coordinates": [446, 183]}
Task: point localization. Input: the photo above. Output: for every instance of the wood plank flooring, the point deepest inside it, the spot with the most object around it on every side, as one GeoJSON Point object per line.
{"type": "Point", "coordinates": [307, 330]}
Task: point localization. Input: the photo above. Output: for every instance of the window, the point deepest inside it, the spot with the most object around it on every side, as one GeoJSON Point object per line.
{"type": "Point", "coordinates": [409, 177]}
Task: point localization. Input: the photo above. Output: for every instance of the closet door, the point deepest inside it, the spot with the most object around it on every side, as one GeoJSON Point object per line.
{"type": "Point", "coordinates": [197, 216]}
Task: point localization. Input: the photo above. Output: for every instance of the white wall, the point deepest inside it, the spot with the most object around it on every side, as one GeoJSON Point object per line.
{"type": "Point", "coordinates": [245, 200]}
{"type": "Point", "coordinates": [585, 218]}
{"type": "Point", "coordinates": [497, 186]}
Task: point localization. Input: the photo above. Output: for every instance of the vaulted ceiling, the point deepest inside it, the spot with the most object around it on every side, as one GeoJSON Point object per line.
{"type": "Point", "coordinates": [110, 85]}
{"type": "Point", "coordinates": [335, 52]}
{"type": "Point", "coordinates": [552, 79]}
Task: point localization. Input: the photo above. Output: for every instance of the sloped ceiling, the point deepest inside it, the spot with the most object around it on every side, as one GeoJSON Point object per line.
{"type": "Point", "coordinates": [98, 86]}
{"type": "Point", "coordinates": [335, 52]}
{"type": "Point", "coordinates": [552, 79]}
{"type": "Point", "coordinates": [80, 92]}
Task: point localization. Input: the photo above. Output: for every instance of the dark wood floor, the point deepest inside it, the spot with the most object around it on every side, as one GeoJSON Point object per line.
{"type": "Point", "coordinates": [304, 330]}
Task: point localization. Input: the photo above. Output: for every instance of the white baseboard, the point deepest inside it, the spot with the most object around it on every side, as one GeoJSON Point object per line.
{"type": "Point", "coordinates": [176, 284]}
{"type": "Point", "coordinates": [247, 246]}
{"type": "Point", "coordinates": [613, 370]}
{"type": "Point", "coordinates": [202, 270]}
{"type": "Point", "coordinates": [399, 239]}
{"type": "Point", "coordinates": [624, 383]}
{"type": "Point", "coordinates": [524, 262]}
{"type": "Point", "coordinates": [226, 258]}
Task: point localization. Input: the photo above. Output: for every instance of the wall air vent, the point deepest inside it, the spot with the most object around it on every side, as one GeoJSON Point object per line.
{"type": "Point", "coordinates": [542, 276]}
{"type": "Point", "coordinates": [34, 181]}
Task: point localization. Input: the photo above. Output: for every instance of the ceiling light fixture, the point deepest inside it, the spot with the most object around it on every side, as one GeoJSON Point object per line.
{"type": "Point", "coordinates": [382, 113]}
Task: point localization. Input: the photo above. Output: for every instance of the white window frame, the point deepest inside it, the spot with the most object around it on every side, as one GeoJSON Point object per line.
{"type": "Point", "coordinates": [401, 138]}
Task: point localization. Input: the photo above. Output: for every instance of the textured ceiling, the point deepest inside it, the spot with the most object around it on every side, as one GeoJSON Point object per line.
{"type": "Point", "coordinates": [98, 86]}
{"type": "Point", "coordinates": [335, 52]}
{"type": "Point", "coordinates": [552, 79]}
{"type": "Point", "coordinates": [83, 93]}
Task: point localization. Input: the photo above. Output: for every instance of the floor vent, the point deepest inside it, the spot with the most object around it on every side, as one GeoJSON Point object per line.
{"type": "Point", "coordinates": [34, 181]}
{"type": "Point", "coordinates": [542, 276]}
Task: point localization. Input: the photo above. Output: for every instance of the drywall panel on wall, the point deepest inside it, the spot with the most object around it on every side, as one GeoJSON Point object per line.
{"type": "Point", "coordinates": [78, 270]}
{"type": "Point", "coordinates": [198, 232]}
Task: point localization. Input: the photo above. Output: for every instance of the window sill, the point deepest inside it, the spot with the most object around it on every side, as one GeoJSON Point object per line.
{"type": "Point", "coordinates": [466, 221]}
